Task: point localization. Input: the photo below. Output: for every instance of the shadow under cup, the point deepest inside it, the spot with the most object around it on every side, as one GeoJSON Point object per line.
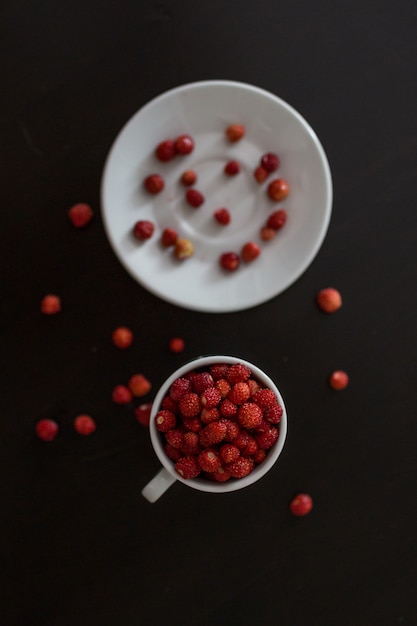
{"type": "Point", "coordinates": [168, 475]}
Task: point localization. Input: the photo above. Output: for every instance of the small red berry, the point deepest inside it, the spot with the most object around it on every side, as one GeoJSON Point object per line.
{"type": "Point", "coordinates": [249, 415]}
{"type": "Point", "coordinates": [50, 304]}
{"type": "Point", "coordinates": [143, 229]}
{"type": "Point", "coordinates": [232, 168]}
{"type": "Point", "coordinates": [175, 438]}
{"type": "Point", "coordinates": [237, 373]}
{"type": "Point", "coordinates": [179, 387]}
{"type": "Point", "coordinates": [240, 468]}
{"type": "Point", "coordinates": [194, 424]}
{"type": "Point", "coordinates": [80, 214]}
{"type": "Point", "coordinates": [259, 456]}
{"type": "Point", "coordinates": [267, 439]}
{"type": "Point", "coordinates": [46, 429]}
{"type": "Point", "coordinates": [169, 404]}
{"type": "Point", "coordinates": [154, 183]}
{"type": "Point", "coordinates": [165, 421]}
{"type": "Point", "coordinates": [184, 144]}
{"type": "Point", "coordinates": [260, 174]}
{"type": "Point", "coordinates": [168, 237]}
{"type": "Point", "coordinates": [277, 219]}
{"type": "Point", "coordinates": [165, 151]}
{"type": "Point", "coordinates": [213, 433]}
{"type": "Point", "coordinates": [223, 386]}
{"type": "Point", "coordinates": [264, 398]}
{"type": "Point", "coordinates": [210, 397]}
{"type": "Point", "coordinates": [183, 249]}
{"type": "Point", "coordinates": [278, 189]}
{"type": "Point", "coordinates": [139, 385]}
{"type": "Point", "coordinates": [84, 424]}
{"type": "Point", "coordinates": [229, 452]}
{"type": "Point", "coordinates": [301, 504]}
{"type": "Point", "coordinates": [194, 198]}
{"type": "Point", "coordinates": [190, 444]}
{"type": "Point", "coordinates": [329, 300]}
{"type": "Point", "coordinates": [222, 216]}
{"type": "Point", "coordinates": [202, 381]}
{"type": "Point", "coordinates": [229, 261]}
{"type": "Point", "coordinates": [270, 162]}
{"type": "Point", "coordinates": [189, 404]}
{"type": "Point", "coordinates": [188, 178]}
{"type": "Point", "coordinates": [218, 370]}
{"type": "Point", "coordinates": [209, 460]}
{"type": "Point", "coordinates": [273, 413]}
{"type": "Point", "coordinates": [221, 476]}
{"type": "Point", "coordinates": [232, 430]}
{"type": "Point", "coordinates": [250, 251]}
{"type": "Point", "coordinates": [143, 413]}
{"type": "Point", "coordinates": [172, 453]}
{"type": "Point", "coordinates": [267, 233]}
{"type": "Point", "coordinates": [235, 132]}
{"type": "Point", "coordinates": [227, 408]}
{"type": "Point", "coordinates": [338, 380]}
{"type": "Point", "coordinates": [122, 395]}
{"type": "Point", "coordinates": [188, 467]}
{"type": "Point", "coordinates": [253, 386]}
{"type": "Point", "coordinates": [122, 337]}
{"type": "Point", "coordinates": [209, 415]}
{"type": "Point", "coordinates": [239, 393]}
{"type": "Point", "coordinates": [176, 344]}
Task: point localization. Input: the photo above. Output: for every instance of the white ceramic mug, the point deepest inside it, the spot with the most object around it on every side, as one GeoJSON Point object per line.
{"type": "Point", "coordinates": [167, 475]}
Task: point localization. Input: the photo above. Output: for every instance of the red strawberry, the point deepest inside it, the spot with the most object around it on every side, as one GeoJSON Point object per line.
{"type": "Point", "coordinates": [176, 344]}
{"type": "Point", "coordinates": [143, 229]}
{"type": "Point", "coordinates": [165, 151]}
{"type": "Point", "coordinates": [264, 398]}
{"type": "Point", "coordinates": [266, 440]}
{"type": "Point", "coordinates": [273, 413]}
{"type": "Point", "coordinates": [232, 430]}
{"type": "Point", "coordinates": [229, 452]}
{"type": "Point", "coordinates": [213, 433]}
{"type": "Point", "coordinates": [188, 178]}
{"type": "Point", "coordinates": [165, 420]}
{"type": "Point", "coordinates": [210, 397]}
{"type": "Point", "coordinates": [277, 219]}
{"type": "Point", "coordinates": [209, 415]}
{"type": "Point", "coordinates": [201, 382]}
{"type": "Point", "coordinates": [218, 370]}
{"type": "Point", "coordinates": [139, 385]}
{"type": "Point", "coordinates": [301, 505]}
{"type": "Point", "coordinates": [169, 404]}
{"type": "Point", "coordinates": [184, 144]}
{"type": "Point", "coordinates": [223, 386]}
{"type": "Point", "coordinates": [267, 233]}
{"type": "Point", "coordinates": [278, 189]}
{"type": "Point", "coordinates": [270, 162]}
{"type": "Point", "coordinates": [260, 174]}
{"type": "Point", "coordinates": [240, 468]}
{"type": "Point", "coordinates": [221, 476]}
{"type": "Point", "coordinates": [121, 395]}
{"type": "Point", "coordinates": [122, 337]}
{"type": "Point", "coordinates": [168, 237]}
{"type": "Point", "coordinates": [154, 183]}
{"type": "Point", "coordinates": [80, 214]}
{"type": "Point", "coordinates": [175, 438]}
{"type": "Point", "coordinates": [227, 408]}
{"type": "Point", "coordinates": [338, 380]}
{"type": "Point", "coordinates": [249, 415]}
{"type": "Point", "coordinates": [250, 251]}
{"type": "Point", "coordinates": [190, 444]}
{"type": "Point", "coordinates": [50, 304]}
{"type": "Point", "coordinates": [239, 393]}
{"type": "Point", "coordinates": [259, 456]}
{"type": "Point", "coordinates": [253, 386]}
{"type": "Point", "coordinates": [222, 216]}
{"type": "Point", "coordinates": [193, 424]}
{"type": "Point", "coordinates": [187, 467]}
{"type": "Point", "coordinates": [179, 387]}
{"type": "Point", "coordinates": [235, 132]}
{"type": "Point", "coordinates": [229, 261]}
{"type": "Point", "coordinates": [46, 429]}
{"type": "Point", "coordinates": [194, 198]}
{"type": "Point", "coordinates": [84, 424]}
{"type": "Point", "coordinates": [189, 404]}
{"type": "Point", "coordinates": [143, 413]}
{"type": "Point", "coordinates": [238, 372]}
{"type": "Point", "coordinates": [329, 300]}
{"type": "Point", "coordinates": [232, 168]}
{"type": "Point", "coordinates": [172, 453]}
{"type": "Point", "coordinates": [209, 460]}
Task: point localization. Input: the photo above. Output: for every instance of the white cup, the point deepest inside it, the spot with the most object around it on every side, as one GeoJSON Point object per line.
{"type": "Point", "coordinates": [167, 475]}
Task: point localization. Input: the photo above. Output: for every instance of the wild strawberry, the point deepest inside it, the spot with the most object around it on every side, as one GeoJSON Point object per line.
{"type": "Point", "coordinates": [213, 433]}
{"type": "Point", "coordinates": [277, 219]}
{"type": "Point", "coordinates": [184, 248]}
{"type": "Point", "coordinates": [270, 162]}
{"type": "Point", "coordinates": [165, 420]}
{"type": "Point", "coordinates": [143, 229]}
{"type": "Point", "coordinates": [264, 398]}
{"type": "Point", "coordinates": [121, 395]}
{"type": "Point", "coordinates": [172, 453]}
{"type": "Point", "coordinates": [221, 476]}
{"type": "Point", "coordinates": [223, 386]}
{"type": "Point", "coordinates": [175, 438]}
{"type": "Point", "coordinates": [235, 132]}
{"type": "Point", "coordinates": [189, 404]}
{"type": "Point", "coordinates": [209, 415]}
{"type": "Point", "coordinates": [194, 198]}
{"type": "Point", "coordinates": [301, 505]}
{"type": "Point", "coordinates": [168, 237]}
{"type": "Point", "coordinates": [237, 373]}
{"type": "Point", "coordinates": [184, 144]}
{"type": "Point", "coordinates": [232, 430]}
{"type": "Point", "coordinates": [266, 233]}
{"type": "Point", "coordinates": [338, 380]}
{"type": "Point", "coordinates": [202, 381]}
{"type": "Point", "coordinates": [229, 452]}
{"type": "Point", "coordinates": [80, 214]}
{"type": "Point", "coordinates": [143, 413]}
{"type": "Point", "coordinates": [253, 386]}
{"type": "Point", "coordinates": [218, 370]}
{"type": "Point", "coordinates": [154, 183]}
{"type": "Point", "coordinates": [193, 424]}
{"type": "Point", "coordinates": [244, 442]}
{"type": "Point", "coordinates": [188, 178]}
{"type": "Point", "coordinates": [176, 344]}
{"type": "Point", "coordinates": [139, 385]}
{"type": "Point", "coordinates": [250, 448]}
{"type": "Point", "coordinates": [273, 414]}
{"type": "Point", "coordinates": [187, 467]}
{"type": "Point", "coordinates": [266, 440]}
{"type": "Point", "coordinates": [190, 444]}
{"type": "Point", "coordinates": [122, 337]}
{"type": "Point", "coordinates": [329, 300]}
{"type": "Point", "coordinates": [249, 415]}
{"type": "Point", "coordinates": [222, 216]}
{"type": "Point", "coordinates": [227, 408]}
{"type": "Point", "coordinates": [239, 393]}
{"type": "Point", "coordinates": [240, 468]}
{"type": "Point", "coordinates": [165, 151]}
{"type": "Point", "coordinates": [209, 460]}
{"type": "Point", "coordinates": [250, 251]}
{"type": "Point", "coordinates": [179, 387]}
{"type": "Point", "coordinates": [259, 456]}
{"type": "Point", "coordinates": [210, 397]}
{"type": "Point", "coordinates": [260, 174]}
{"type": "Point", "coordinates": [229, 261]}
{"type": "Point", "coordinates": [50, 304]}
{"type": "Point", "coordinates": [46, 429]}
{"type": "Point", "coordinates": [84, 424]}
{"type": "Point", "coordinates": [278, 189]}
{"type": "Point", "coordinates": [232, 168]}
{"type": "Point", "coordinates": [169, 404]}
{"type": "Point", "coordinates": [263, 427]}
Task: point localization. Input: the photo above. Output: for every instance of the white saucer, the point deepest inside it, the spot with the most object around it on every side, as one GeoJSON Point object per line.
{"type": "Point", "coordinates": [204, 110]}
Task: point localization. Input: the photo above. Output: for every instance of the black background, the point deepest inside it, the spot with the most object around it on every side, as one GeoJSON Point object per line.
{"type": "Point", "coordinates": [80, 544]}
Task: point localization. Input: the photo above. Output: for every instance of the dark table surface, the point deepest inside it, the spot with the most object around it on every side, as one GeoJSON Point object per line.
{"type": "Point", "coordinates": [80, 545]}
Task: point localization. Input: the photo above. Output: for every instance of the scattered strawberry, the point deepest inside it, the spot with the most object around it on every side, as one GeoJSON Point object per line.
{"type": "Point", "coordinates": [264, 398]}
{"type": "Point", "coordinates": [222, 216]}
{"type": "Point", "coordinates": [209, 460]}
{"type": "Point", "coordinates": [168, 237]}
{"type": "Point", "coordinates": [122, 395]}
{"type": "Point", "coordinates": [240, 468]}
{"type": "Point", "coordinates": [176, 344]}
{"type": "Point", "coordinates": [187, 467]}
{"type": "Point", "coordinates": [277, 219]}
{"type": "Point", "coordinates": [250, 251]}
{"type": "Point", "coordinates": [194, 198]}
{"type": "Point", "coordinates": [84, 425]}
{"type": "Point", "coordinates": [184, 144]}
{"type": "Point", "coordinates": [189, 404]}
{"type": "Point", "coordinates": [223, 386]}
{"type": "Point", "coordinates": [260, 174]}
{"type": "Point", "coordinates": [301, 505]}
{"type": "Point", "coordinates": [202, 381]}
{"type": "Point", "coordinates": [165, 151]}
{"type": "Point", "coordinates": [329, 300]}
{"type": "Point", "coordinates": [165, 420]}
{"type": "Point", "coordinates": [139, 385]}
{"type": "Point", "coordinates": [267, 233]}
{"type": "Point", "coordinates": [229, 261]}
{"type": "Point", "coordinates": [210, 415]}
{"type": "Point", "coordinates": [232, 168]}
{"type": "Point", "coordinates": [210, 397]}
{"type": "Point", "coordinates": [46, 429]}
{"type": "Point", "coordinates": [80, 214]}
{"type": "Point", "coordinates": [338, 380]}
{"type": "Point", "coordinates": [143, 413]}
{"type": "Point", "coordinates": [188, 178]}
{"type": "Point", "coordinates": [183, 249]}
{"type": "Point", "coordinates": [143, 229]}
{"type": "Point", "coordinates": [239, 393]}
{"type": "Point", "coordinates": [235, 132]}
{"type": "Point", "coordinates": [238, 372]}
{"type": "Point", "coordinates": [154, 183]}
{"type": "Point", "coordinates": [179, 387]}
{"type": "Point", "coordinates": [270, 162]}
{"type": "Point", "coordinates": [50, 304]}
{"type": "Point", "coordinates": [229, 453]}
{"type": "Point", "coordinates": [278, 189]}
{"type": "Point", "coordinates": [266, 440]}
{"type": "Point", "coordinates": [122, 337]}
{"type": "Point", "coordinates": [249, 415]}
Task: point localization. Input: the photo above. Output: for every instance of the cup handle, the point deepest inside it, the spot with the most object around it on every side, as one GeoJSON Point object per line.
{"type": "Point", "coordinates": [158, 485]}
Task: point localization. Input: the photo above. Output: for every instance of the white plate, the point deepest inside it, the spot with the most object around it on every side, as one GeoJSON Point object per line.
{"type": "Point", "coordinates": [204, 110]}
